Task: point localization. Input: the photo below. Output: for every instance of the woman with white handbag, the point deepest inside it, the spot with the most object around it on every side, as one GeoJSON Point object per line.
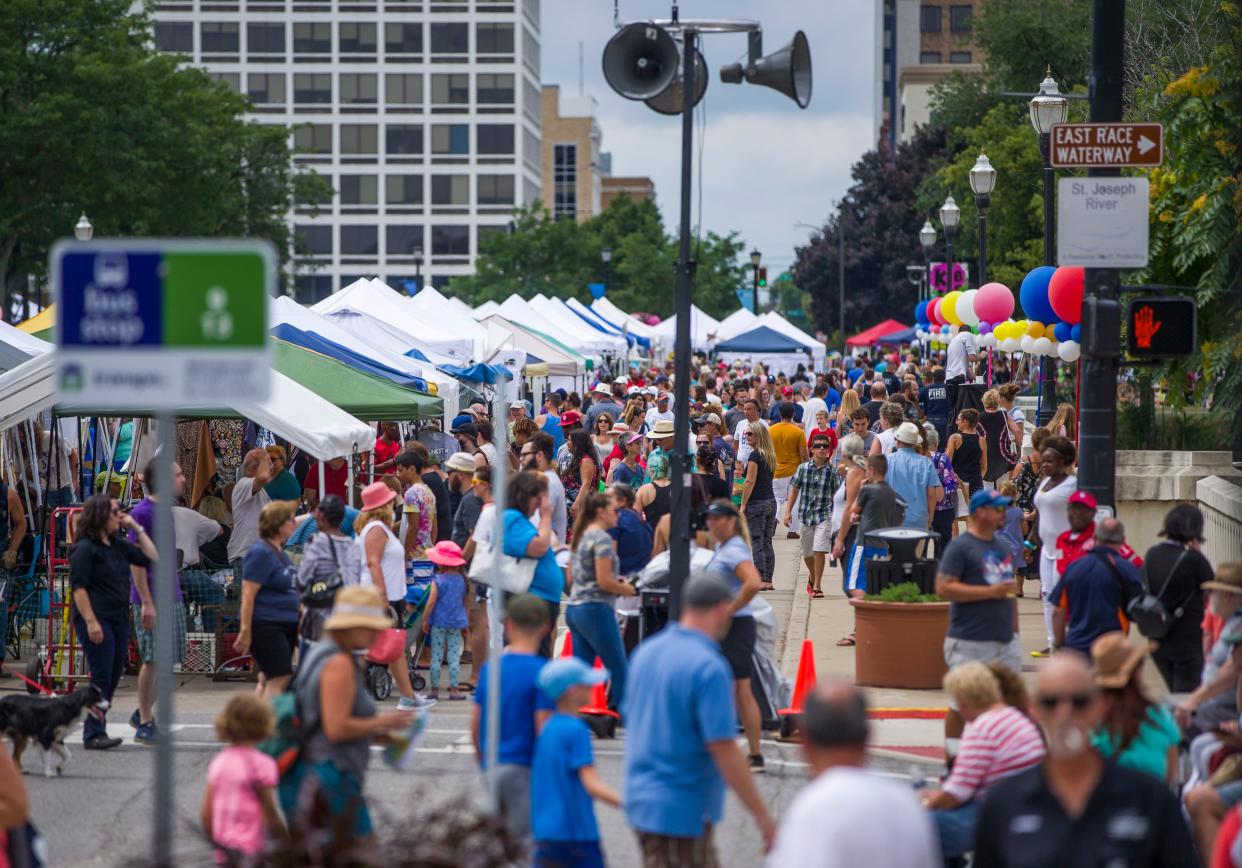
{"type": "Point", "coordinates": [528, 539]}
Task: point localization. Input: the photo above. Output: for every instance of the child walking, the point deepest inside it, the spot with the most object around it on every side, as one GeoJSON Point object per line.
{"type": "Point", "coordinates": [239, 803]}
{"type": "Point", "coordinates": [445, 616]}
{"type": "Point", "coordinates": [563, 777]}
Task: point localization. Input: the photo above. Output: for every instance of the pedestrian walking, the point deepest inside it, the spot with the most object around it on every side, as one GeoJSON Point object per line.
{"type": "Point", "coordinates": [444, 617]}
{"type": "Point", "coordinates": [528, 494]}
{"type": "Point", "coordinates": [789, 447]}
{"type": "Point", "coordinates": [876, 507]}
{"type": "Point", "coordinates": [1135, 732]}
{"type": "Point", "coordinates": [847, 815]}
{"type": "Point", "coordinates": [913, 476]}
{"type": "Point", "coordinates": [1051, 504]}
{"type": "Point", "coordinates": [1176, 568]}
{"type": "Point", "coordinates": [1091, 598]}
{"type": "Point", "coordinates": [268, 622]}
{"type": "Point", "coordinates": [812, 489]}
{"type": "Point", "coordinates": [965, 450]}
{"type": "Point", "coordinates": [681, 729]}
{"type": "Point", "coordinates": [1076, 810]}
{"type": "Point", "coordinates": [945, 514]}
{"type": "Point", "coordinates": [997, 442]}
{"type": "Point", "coordinates": [330, 560]}
{"type": "Point", "coordinates": [13, 526]}
{"type": "Point", "coordinates": [759, 500]}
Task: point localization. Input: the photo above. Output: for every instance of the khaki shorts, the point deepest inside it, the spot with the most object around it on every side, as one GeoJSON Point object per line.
{"type": "Point", "coordinates": [959, 651]}
{"type": "Point", "coordinates": [665, 851]}
{"type": "Point", "coordinates": [816, 538]}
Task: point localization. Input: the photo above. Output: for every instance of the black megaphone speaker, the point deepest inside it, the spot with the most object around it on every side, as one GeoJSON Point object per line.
{"type": "Point", "coordinates": [640, 61]}
{"type": "Point", "coordinates": [669, 101]}
{"type": "Point", "coordinates": [787, 70]}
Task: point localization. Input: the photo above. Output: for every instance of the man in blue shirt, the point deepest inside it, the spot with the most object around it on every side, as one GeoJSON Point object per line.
{"type": "Point", "coordinates": [1092, 595]}
{"type": "Point", "coordinates": [681, 748]}
{"type": "Point", "coordinates": [914, 478]}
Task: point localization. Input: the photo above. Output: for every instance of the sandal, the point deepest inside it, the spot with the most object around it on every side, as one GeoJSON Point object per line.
{"type": "Point", "coordinates": [846, 641]}
{"type": "Point", "coordinates": [810, 589]}
{"type": "Point", "coordinates": [767, 586]}
{"type": "Point", "coordinates": [817, 594]}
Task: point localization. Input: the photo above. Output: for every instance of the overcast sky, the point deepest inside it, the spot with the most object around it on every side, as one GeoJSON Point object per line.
{"type": "Point", "coordinates": [767, 164]}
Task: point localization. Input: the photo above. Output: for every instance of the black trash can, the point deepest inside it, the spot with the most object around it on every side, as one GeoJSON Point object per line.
{"type": "Point", "coordinates": [903, 563]}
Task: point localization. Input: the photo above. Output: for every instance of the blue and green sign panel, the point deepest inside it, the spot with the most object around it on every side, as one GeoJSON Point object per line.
{"type": "Point", "coordinates": [148, 324]}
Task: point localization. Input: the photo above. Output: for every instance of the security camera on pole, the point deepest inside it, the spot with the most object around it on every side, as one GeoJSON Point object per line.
{"type": "Point", "coordinates": [641, 62]}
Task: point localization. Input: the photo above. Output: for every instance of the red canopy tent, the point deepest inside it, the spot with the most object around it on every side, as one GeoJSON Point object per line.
{"type": "Point", "coordinates": [867, 337]}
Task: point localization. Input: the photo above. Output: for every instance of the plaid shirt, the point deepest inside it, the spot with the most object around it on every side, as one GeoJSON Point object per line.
{"type": "Point", "coordinates": [816, 486]}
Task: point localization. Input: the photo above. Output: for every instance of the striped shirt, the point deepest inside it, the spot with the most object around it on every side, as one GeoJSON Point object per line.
{"type": "Point", "coordinates": [995, 745]}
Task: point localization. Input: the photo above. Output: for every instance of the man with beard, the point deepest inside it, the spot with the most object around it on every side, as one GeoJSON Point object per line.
{"type": "Point", "coordinates": [537, 454]}
{"type": "Point", "coordinates": [1075, 809]}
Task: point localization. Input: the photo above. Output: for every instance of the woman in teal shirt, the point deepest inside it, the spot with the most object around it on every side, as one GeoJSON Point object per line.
{"type": "Point", "coordinates": [1136, 732]}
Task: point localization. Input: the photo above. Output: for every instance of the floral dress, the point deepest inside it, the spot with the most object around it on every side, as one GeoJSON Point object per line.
{"type": "Point", "coordinates": [1027, 484]}
{"type": "Point", "coordinates": [948, 479]}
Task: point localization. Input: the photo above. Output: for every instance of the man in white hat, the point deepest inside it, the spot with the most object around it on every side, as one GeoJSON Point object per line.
{"type": "Point", "coordinates": [603, 403]}
{"type": "Point", "coordinates": [660, 412]}
{"type": "Point", "coordinates": [914, 478]}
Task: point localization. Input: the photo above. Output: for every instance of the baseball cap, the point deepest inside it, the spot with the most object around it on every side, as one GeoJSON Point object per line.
{"type": "Point", "coordinates": [620, 381]}
{"type": "Point", "coordinates": [907, 432]}
{"type": "Point", "coordinates": [986, 499]}
{"type": "Point", "coordinates": [663, 396]}
{"type": "Point", "coordinates": [566, 672]}
{"type": "Point", "coordinates": [570, 417]}
{"type": "Point", "coordinates": [1084, 498]}
{"type": "Point", "coordinates": [461, 419]}
{"type": "Point", "coordinates": [602, 388]}
{"type": "Point", "coordinates": [460, 461]}
{"type": "Point", "coordinates": [518, 405]}
{"type": "Point", "coordinates": [720, 507]}
{"type": "Point", "coordinates": [708, 418]}
{"type": "Point", "coordinates": [467, 428]}
{"type": "Point", "coordinates": [787, 390]}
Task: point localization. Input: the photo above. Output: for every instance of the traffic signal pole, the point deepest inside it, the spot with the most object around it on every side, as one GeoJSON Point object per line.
{"type": "Point", "coordinates": [1101, 356]}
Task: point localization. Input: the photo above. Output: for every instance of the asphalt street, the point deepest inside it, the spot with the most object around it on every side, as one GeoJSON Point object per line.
{"type": "Point", "coordinates": [99, 813]}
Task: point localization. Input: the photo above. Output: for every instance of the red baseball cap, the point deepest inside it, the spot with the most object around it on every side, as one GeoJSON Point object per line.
{"type": "Point", "coordinates": [788, 390]}
{"type": "Point", "coordinates": [1084, 498]}
{"type": "Point", "coordinates": [570, 417]}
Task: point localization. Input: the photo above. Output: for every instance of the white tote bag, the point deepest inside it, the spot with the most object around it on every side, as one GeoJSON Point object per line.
{"type": "Point", "coordinates": [514, 577]}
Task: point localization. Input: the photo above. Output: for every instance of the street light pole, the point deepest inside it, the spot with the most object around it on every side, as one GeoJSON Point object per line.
{"type": "Point", "coordinates": [841, 279]}
{"type": "Point", "coordinates": [927, 238]}
{"type": "Point", "coordinates": [1048, 108]}
{"type": "Point", "coordinates": [949, 215]}
{"type": "Point", "coordinates": [755, 258]}
{"type": "Point", "coordinates": [418, 266]}
{"type": "Point", "coordinates": [606, 256]}
{"type": "Point", "coordinates": [982, 183]}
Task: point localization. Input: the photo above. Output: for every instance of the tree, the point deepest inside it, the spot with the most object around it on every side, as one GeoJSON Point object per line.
{"type": "Point", "coordinates": [93, 118]}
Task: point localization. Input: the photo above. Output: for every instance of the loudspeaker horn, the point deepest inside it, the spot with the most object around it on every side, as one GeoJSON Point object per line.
{"type": "Point", "coordinates": [640, 61]}
{"type": "Point", "coordinates": [669, 102]}
{"type": "Point", "coordinates": [787, 70]}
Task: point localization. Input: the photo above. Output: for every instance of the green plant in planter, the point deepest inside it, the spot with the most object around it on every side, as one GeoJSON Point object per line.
{"type": "Point", "coordinates": [905, 592]}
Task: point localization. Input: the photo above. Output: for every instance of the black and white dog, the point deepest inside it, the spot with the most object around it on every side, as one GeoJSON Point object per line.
{"type": "Point", "coordinates": [45, 721]}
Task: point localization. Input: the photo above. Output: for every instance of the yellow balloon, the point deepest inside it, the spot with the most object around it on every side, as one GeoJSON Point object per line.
{"type": "Point", "coordinates": [1004, 331]}
{"type": "Point", "coordinates": [948, 307]}
{"type": "Point", "coordinates": [1035, 330]}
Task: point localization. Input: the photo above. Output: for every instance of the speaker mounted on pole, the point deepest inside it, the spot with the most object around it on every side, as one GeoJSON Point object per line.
{"type": "Point", "coordinates": [669, 102]}
{"type": "Point", "coordinates": [640, 61]}
{"type": "Point", "coordinates": [787, 70]}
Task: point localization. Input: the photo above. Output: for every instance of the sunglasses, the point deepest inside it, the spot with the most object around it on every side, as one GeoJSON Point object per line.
{"type": "Point", "coordinates": [819, 445]}
{"type": "Point", "coordinates": [1050, 701]}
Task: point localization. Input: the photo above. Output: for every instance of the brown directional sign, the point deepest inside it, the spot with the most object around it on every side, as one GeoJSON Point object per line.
{"type": "Point", "coordinates": [1107, 146]}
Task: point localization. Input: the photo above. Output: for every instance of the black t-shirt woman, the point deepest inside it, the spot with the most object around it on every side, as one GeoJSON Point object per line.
{"type": "Point", "coordinates": [1178, 561]}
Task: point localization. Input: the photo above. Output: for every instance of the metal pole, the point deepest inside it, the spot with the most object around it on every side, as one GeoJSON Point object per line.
{"type": "Point", "coordinates": [841, 279]}
{"type": "Point", "coordinates": [983, 243]}
{"type": "Point", "coordinates": [1047, 365]}
{"type": "Point", "coordinates": [165, 600]}
{"type": "Point", "coordinates": [1101, 306]}
{"type": "Point", "coordinates": [754, 295]}
{"type": "Point", "coordinates": [949, 232]}
{"type": "Point", "coordinates": [679, 531]}
{"type": "Point", "coordinates": [496, 602]}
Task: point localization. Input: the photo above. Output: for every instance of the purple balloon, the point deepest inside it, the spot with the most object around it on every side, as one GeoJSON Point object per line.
{"type": "Point", "coordinates": [985, 328]}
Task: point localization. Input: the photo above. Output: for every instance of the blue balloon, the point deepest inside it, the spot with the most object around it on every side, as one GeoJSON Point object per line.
{"type": "Point", "coordinates": [920, 314]}
{"type": "Point", "coordinates": [1061, 331]}
{"type": "Point", "coordinates": [944, 329]}
{"type": "Point", "coordinates": [1076, 332]}
{"type": "Point", "coordinates": [1034, 295]}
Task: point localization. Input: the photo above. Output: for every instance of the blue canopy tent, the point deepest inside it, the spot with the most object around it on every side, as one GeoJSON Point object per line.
{"type": "Point", "coordinates": [902, 336]}
{"type": "Point", "coordinates": [323, 346]}
{"type": "Point", "coordinates": [592, 318]}
{"type": "Point", "coordinates": [479, 373]}
{"type": "Point", "coordinates": [762, 340]}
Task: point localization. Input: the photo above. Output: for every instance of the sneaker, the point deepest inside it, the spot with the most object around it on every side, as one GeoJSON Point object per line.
{"type": "Point", "coordinates": [756, 764]}
{"type": "Point", "coordinates": [101, 742]}
{"type": "Point", "coordinates": [1043, 652]}
{"type": "Point", "coordinates": [135, 720]}
{"type": "Point", "coordinates": [418, 703]}
{"type": "Point", "coordinates": [146, 733]}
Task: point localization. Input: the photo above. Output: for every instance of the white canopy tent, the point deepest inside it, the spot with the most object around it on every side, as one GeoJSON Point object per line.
{"type": "Point", "coordinates": [703, 330]}
{"type": "Point", "coordinates": [618, 317]}
{"type": "Point", "coordinates": [291, 411]}
{"type": "Point", "coordinates": [486, 309]}
{"type": "Point", "coordinates": [375, 299]}
{"type": "Point", "coordinates": [16, 346]}
{"type": "Point", "coordinates": [561, 361]}
{"type": "Point", "coordinates": [443, 315]}
{"type": "Point", "coordinates": [518, 310]}
{"type": "Point", "coordinates": [775, 321]}
{"type": "Point", "coordinates": [560, 318]}
{"type": "Point", "coordinates": [737, 323]}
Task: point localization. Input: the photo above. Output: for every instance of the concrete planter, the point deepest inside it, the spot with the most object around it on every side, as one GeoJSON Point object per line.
{"type": "Point", "coordinates": [899, 644]}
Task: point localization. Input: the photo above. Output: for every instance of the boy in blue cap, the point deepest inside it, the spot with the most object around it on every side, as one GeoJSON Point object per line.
{"type": "Point", "coordinates": [563, 776]}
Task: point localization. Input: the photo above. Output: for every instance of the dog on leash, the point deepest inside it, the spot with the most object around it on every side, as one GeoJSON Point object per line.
{"type": "Point", "coordinates": [45, 721]}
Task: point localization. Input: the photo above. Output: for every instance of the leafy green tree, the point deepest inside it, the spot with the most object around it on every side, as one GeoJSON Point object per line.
{"type": "Point", "coordinates": [94, 118]}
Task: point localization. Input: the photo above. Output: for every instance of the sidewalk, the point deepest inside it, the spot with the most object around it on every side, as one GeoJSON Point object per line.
{"type": "Point", "coordinates": [905, 723]}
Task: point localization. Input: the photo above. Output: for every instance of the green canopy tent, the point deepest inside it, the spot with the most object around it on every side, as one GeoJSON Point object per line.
{"type": "Point", "coordinates": [359, 394]}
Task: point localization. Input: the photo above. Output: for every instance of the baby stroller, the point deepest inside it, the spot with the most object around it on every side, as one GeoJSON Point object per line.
{"type": "Point", "coordinates": [418, 579]}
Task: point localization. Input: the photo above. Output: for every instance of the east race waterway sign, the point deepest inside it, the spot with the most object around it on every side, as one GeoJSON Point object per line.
{"type": "Point", "coordinates": [162, 324]}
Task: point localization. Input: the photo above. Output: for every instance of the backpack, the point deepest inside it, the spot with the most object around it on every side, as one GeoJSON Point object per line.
{"type": "Point", "coordinates": [291, 731]}
{"type": "Point", "coordinates": [320, 593]}
{"type": "Point", "coordinates": [1010, 451]}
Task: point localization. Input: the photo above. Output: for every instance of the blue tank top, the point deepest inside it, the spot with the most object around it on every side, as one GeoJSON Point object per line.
{"type": "Point", "coordinates": [552, 426]}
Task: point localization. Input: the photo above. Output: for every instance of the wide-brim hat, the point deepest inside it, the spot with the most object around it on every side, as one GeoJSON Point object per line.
{"type": "Point", "coordinates": [375, 495]}
{"type": "Point", "coordinates": [1115, 659]}
{"type": "Point", "coordinates": [358, 606]}
{"type": "Point", "coordinates": [662, 428]}
{"type": "Point", "coordinates": [1228, 578]}
{"type": "Point", "coordinates": [446, 553]}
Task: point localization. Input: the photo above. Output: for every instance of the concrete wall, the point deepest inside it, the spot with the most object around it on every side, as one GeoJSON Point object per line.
{"type": "Point", "coordinates": [1150, 483]}
{"type": "Point", "coordinates": [1221, 502]}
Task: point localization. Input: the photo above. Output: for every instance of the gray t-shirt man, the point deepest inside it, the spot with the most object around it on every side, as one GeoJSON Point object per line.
{"type": "Point", "coordinates": [975, 561]}
{"type": "Point", "coordinates": [880, 509]}
{"type": "Point", "coordinates": [247, 504]}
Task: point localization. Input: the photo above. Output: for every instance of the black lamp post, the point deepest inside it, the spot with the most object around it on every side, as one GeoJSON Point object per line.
{"type": "Point", "coordinates": [418, 265]}
{"type": "Point", "coordinates": [755, 258]}
{"type": "Point", "coordinates": [1048, 108]}
{"type": "Point", "coordinates": [982, 183]}
{"type": "Point", "coordinates": [605, 256]}
{"type": "Point", "coordinates": [949, 215]}
{"type": "Point", "coordinates": [927, 238]}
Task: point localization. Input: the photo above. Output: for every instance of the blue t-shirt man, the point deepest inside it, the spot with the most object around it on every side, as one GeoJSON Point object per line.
{"type": "Point", "coordinates": [1094, 592]}
{"type": "Point", "coordinates": [548, 582]}
{"type": "Point", "coordinates": [520, 700]}
{"type": "Point", "coordinates": [911, 475]}
{"type": "Point", "coordinates": [564, 811]}
{"type": "Point", "coordinates": [672, 785]}
{"type": "Point", "coordinates": [833, 400]}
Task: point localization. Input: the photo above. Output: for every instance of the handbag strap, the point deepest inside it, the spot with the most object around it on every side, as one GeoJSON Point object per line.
{"type": "Point", "coordinates": [1168, 576]}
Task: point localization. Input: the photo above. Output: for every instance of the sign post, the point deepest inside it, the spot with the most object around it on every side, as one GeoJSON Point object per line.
{"type": "Point", "coordinates": [163, 325]}
{"type": "Point", "coordinates": [1107, 146]}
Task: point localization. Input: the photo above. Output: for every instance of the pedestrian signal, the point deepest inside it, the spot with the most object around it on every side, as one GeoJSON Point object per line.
{"type": "Point", "coordinates": [1162, 327]}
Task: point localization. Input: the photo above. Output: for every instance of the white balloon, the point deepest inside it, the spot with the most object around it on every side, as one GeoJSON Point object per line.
{"type": "Point", "coordinates": [987, 340]}
{"type": "Point", "coordinates": [1027, 343]}
{"type": "Point", "coordinates": [1013, 345]}
{"type": "Point", "coordinates": [1069, 351]}
{"type": "Point", "coordinates": [966, 307]}
{"type": "Point", "coordinates": [1043, 347]}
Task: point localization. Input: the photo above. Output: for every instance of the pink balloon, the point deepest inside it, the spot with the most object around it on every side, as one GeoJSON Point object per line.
{"type": "Point", "coordinates": [933, 312]}
{"type": "Point", "coordinates": [994, 302]}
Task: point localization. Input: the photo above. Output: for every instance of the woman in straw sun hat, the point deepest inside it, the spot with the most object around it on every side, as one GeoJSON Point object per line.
{"type": "Point", "coordinates": [1136, 732]}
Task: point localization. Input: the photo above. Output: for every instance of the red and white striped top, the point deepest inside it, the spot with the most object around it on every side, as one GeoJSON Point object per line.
{"type": "Point", "coordinates": [995, 745]}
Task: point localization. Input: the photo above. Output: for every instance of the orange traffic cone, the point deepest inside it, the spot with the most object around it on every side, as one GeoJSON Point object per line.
{"type": "Point", "coordinates": [803, 684]}
{"type": "Point", "coordinates": [601, 718]}
{"type": "Point", "coordinates": [567, 647]}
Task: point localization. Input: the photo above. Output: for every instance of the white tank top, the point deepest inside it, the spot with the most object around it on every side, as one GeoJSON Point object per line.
{"type": "Point", "coordinates": [392, 562]}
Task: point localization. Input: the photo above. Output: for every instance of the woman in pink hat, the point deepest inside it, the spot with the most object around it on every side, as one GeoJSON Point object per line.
{"type": "Point", "coordinates": [383, 558]}
{"type": "Point", "coordinates": [445, 616]}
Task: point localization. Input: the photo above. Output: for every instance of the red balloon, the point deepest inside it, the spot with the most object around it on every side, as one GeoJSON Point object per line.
{"type": "Point", "coordinates": [1065, 292]}
{"type": "Point", "coordinates": [933, 312]}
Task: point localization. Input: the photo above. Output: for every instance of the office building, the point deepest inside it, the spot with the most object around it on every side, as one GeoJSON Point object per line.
{"type": "Point", "coordinates": [637, 188]}
{"type": "Point", "coordinates": [423, 115]}
{"type": "Point", "coordinates": [572, 163]}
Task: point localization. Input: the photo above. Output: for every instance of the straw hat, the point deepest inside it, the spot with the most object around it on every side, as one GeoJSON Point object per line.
{"type": "Point", "coordinates": [620, 428]}
{"type": "Point", "coordinates": [662, 428]}
{"type": "Point", "coordinates": [1115, 659]}
{"type": "Point", "coordinates": [376, 495]}
{"type": "Point", "coordinates": [358, 606]}
{"type": "Point", "coordinates": [1228, 578]}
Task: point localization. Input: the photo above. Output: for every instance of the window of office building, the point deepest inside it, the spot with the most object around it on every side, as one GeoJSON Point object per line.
{"type": "Point", "coordinates": [312, 88]}
{"type": "Point", "coordinates": [219, 37]}
{"type": "Point", "coordinates": [495, 189]}
{"type": "Point", "coordinates": [450, 38]}
{"type": "Point", "coordinates": [929, 57]}
{"type": "Point", "coordinates": [929, 19]}
{"type": "Point", "coordinates": [495, 138]}
{"type": "Point", "coordinates": [403, 38]}
{"type": "Point", "coordinates": [450, 139]}
{"type": "Point", "coordinates": [450, 189]}
{"type": "Point", "coordinates": [313, 239]}
{"type": "Point", "coordinates": [359, 240]}
{"type": "Point", "coordinates": [494, 38]}
{"type": "Point", "coordinates": [359, 139]}
{"type": "Point", "coordinates": [564, 180]}
{"type": "Point", "coordinates": [959, 19]}
{"type": "Point", "coordinates": [312, 38]}
{"type": "Point", "coordinates": [450, 240]}
{"type": "Point", "coordinates": [403, 88]}
{"type": "Point", "coordinates": [401, 239]}
{"type": "Point", "coordinates": [232, 79]}
{"type": "Point", "coordinates": [311, 288]}
{"type": "Point", "coordinates": [530, 51]}
{"type": "Point", "coordinates": [313, 138]}
{"type": "Point", "coordinates": [358, 88]}
{"type": "Point", "coordinates": [450, 88]}
{"type": "Point", "coordinates": [959, 57]}
{"type": "Point", "coordinates": [359, 189]}
{"type": "Point", "coordinates": [404, 189]}
{"type": "Point", "coordinates": [265, 38]}
{"type": "Point", "coordinates": [174, 36]}
{"type": "Point", "coordinates": [266, 88]}
{"type": "Point", "coordinates": [404, 138]}
{"type": "Point", "coordinates": [495, 89]}
{"type": "Point", "coordinates": [357, 37]}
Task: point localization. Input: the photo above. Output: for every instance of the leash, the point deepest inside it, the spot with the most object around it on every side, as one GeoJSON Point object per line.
{"type": "Point", "coordinates": [35, 685]}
